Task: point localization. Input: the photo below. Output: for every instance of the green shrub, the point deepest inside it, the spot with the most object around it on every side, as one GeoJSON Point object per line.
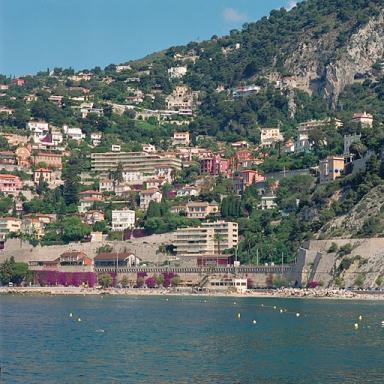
{"type": "Point", "coordinates": [333, 248]}
{"type": "Point", "coordinates": [345, 250]}
{"type": "Point", "coordinates": [359, 282]}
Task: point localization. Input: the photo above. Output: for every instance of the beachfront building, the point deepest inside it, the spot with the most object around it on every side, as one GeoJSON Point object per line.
{"type": "Point", "coordinates": [123, 219]}
{"type": "Point", "coordinates": [207, 242]}
{"type": "Point", "coordinates": [227, 284]}
{"type": "Point", "coordinates": [226, 234]}
{"type": "Point", "coordinates": [195, 241]}
{"type": "Point", "coordinates": [113, 259]}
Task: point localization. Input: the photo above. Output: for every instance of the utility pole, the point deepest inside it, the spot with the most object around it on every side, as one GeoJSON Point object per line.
{"type": "Point", "coordinates": [282, 263]}
{"type": "Point", "coordinates": [257, 256]}
{"type": "Point", "coordinates": [117, 260]}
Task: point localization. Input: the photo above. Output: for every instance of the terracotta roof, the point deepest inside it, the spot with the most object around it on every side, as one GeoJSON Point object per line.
{"type": "Point", "coordinates": [149, 191]}
{"type": "Point", "coordinates": [90, 191]}
{"type": "Point", "coordinates": [73, 253]}
{"type": "Point", "coordinates": [3, 176]}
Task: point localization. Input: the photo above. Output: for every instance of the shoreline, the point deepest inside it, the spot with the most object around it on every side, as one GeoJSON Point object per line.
{"type": "Point", "coordinates": [285, 293]}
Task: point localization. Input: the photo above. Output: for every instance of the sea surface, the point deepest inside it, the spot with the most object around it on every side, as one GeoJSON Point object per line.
{"type": "Point", "coordinates": [177, 339]}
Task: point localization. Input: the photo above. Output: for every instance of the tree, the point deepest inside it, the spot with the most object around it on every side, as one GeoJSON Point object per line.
{"type": "Point", "coordinates": [14, 272]}
{"type": "Point", "coordinates": [74, 229]}
{"type": "Point", "coordinates": [42, 186]}
{"type": "Point", "coordinates": [117, 175]}
{"type": "Point", "coordinates": [124, 281]}
{"type": "Point", "coordinates": [358, 149]}
{"type": "Point", "coordinates": [19, 273]}
{"type": "Point", "coordinates": [105, 280]}
{"type": "Point", "coordinates": [159, 280]}
{"type": "Point", "coordinates": [6, 270]}
{"type": "Point", "coordinates": [71, 177]}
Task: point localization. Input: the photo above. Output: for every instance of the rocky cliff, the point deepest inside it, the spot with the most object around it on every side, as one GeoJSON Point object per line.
{"type": "Point", "coordinates": [321, 67]}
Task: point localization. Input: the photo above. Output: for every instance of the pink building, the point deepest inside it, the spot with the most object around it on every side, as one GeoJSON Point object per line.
{"type": "Point", "coordinates": [214, 165]}
{"type": "Point", "coordinates": [251, 177]}
{"type": "Point", "coordinates": [10, 183]}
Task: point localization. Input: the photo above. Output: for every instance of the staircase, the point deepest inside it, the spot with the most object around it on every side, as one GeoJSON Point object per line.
{"type": "Point", "coordinates": [315, 265]}
{"type": "Point", "coordinates": [203, 282]}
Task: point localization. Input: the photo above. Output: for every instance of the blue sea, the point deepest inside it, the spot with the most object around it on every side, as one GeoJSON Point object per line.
{"type": "Point", "coordinates": [170, 339]}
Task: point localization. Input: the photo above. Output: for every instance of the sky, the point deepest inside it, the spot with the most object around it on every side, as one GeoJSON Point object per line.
{"type": "Point", "coordinates": [40, 34]}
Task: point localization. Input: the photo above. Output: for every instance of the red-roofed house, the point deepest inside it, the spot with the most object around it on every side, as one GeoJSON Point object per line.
{"type": "Point", "coordinates": [214, 165]}
{"type": "Point", "coordinates": [10, 183]}
{"type": "Point", "coordinates": [251, 177]}
{"type": "Point", "coordinates": [91, 194]}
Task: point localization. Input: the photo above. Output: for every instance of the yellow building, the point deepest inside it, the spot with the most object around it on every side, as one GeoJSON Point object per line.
{"type": "Point", "coordinates": [331, 168]}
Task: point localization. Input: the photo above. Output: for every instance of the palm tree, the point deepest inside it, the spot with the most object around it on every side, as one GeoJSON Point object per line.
{"type": "Point", "coordinates": [218, 238]}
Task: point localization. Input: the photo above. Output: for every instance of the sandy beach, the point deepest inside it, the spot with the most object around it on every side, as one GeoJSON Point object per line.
{"type": "Point", "coordinates": [278, 293]}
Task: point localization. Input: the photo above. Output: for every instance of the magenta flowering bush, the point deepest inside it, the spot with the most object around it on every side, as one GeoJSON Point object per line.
{"type": "Point", "coordinates": [312, 284]}
{"type": "Point", "coordinates": [150, 282]}
{"type": "Point", "coordinates": [168, 276]}
{"type": "Point", "coordinates": [49, 278]}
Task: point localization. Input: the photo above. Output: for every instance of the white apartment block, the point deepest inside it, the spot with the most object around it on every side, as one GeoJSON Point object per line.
{"type": "Point", "coordinates": [181, 138]}
{"type": "Point", "coordinates": [177, 72]}
{"type": "Point", "coordinates": [269, 136]}
{"type": "Point", "coordinates": [74, 133]}
{"type": "Point", "coordinates": [10, 225]}
{"type": "Point", "coordinates": [123, 219]}
{"type": "Point", "coordinates": [149, 195]}
{"type": "Point", "coordinates": [364, 118]}
{"type": "Point", "coordinates": [37, 126]}
{"type": "Point", "coordinates": [207, 240]}
{"type": "Point", "coordinates": [181, 99]}
{"type": "Point", "coordinates": [143, 162]}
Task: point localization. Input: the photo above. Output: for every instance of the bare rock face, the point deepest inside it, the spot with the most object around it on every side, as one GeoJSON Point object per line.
{"type": "Point", "coordinates": [364, 49]}
{"type": "Point", "coordinates": [318, 68]}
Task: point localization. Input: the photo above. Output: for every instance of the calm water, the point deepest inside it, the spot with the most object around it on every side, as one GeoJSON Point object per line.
{"type": "Point", "coordinates": [187, 340]}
